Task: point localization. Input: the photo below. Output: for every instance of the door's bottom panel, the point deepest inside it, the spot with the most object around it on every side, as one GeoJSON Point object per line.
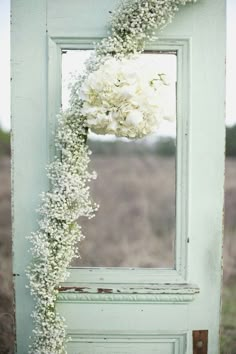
{"type": "Point", "coordinates": [127, 343]}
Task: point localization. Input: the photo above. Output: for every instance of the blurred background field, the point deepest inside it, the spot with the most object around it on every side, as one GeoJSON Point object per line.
{"type": "Point", "coordinates": [154, 224]}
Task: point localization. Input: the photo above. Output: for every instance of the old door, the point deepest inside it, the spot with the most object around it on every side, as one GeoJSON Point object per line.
{"type": "Point", "coordinates": [129, 309]}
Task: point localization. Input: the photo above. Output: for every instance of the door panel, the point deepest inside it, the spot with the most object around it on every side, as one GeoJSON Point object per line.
{"type": "Point", "coordinates": [182, 49]}
{"type": "Point", "coordinates": [128, 344]}
{"type": "Point", "coordinates": [125, 310]}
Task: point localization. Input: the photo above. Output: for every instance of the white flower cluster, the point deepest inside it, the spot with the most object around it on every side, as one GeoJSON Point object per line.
{"type": "Point", "coordinates": [135, 22]}
{"type": "Point", "coordinates": [118, 99]}
{"type": "Point", "coordinates": [54, 244]}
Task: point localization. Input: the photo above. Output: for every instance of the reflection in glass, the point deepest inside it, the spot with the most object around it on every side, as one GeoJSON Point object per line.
{"type": "Point", "coordinates": [135, 188]}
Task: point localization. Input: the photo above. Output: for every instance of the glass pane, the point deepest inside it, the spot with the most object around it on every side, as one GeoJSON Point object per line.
{"type": "Point", "coordinates": [135, 188]}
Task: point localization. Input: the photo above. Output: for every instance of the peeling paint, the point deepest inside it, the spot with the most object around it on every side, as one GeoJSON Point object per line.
{"type": "Point", "coordinates": [105, 291]}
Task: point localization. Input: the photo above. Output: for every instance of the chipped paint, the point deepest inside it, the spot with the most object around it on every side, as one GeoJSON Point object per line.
{"type": "Point", "coordinates": [167, 289]}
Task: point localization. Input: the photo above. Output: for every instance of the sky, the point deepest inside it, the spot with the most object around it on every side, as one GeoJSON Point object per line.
{"type": "Point", "coordinates": [5, 64]}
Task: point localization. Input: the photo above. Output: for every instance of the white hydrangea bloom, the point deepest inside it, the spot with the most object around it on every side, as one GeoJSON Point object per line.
{"type": "Point", "coordinates": [123, 99]}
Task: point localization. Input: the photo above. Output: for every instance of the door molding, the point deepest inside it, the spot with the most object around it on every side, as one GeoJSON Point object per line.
{"type": "Point", "coordinates": [109, 341]}
{"type": "Point", "coordinates": [166, 293]}
{"type": "Point", "coordinates": [182, 46]}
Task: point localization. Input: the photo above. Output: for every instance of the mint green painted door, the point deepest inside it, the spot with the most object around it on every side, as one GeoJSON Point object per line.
{"type": "Point", "coordinates": [125, 310]}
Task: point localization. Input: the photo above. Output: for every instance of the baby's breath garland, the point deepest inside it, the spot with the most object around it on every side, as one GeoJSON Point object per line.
{"type": "Point", "coordinates": [54, 244]}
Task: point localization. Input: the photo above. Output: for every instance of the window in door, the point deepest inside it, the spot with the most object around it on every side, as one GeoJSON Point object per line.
{"type": "Point", "coordinates": [135, 225]}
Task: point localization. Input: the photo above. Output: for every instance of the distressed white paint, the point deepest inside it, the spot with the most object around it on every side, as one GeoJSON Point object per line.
{"type": "Point", "coordinates": [39, 30]}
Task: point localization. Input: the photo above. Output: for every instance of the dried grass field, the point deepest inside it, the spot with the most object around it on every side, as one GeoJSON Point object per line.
{"type": "Point", "coordinates": [136, 223]}
{"type": "Point", "coordinates": [6, 291]}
